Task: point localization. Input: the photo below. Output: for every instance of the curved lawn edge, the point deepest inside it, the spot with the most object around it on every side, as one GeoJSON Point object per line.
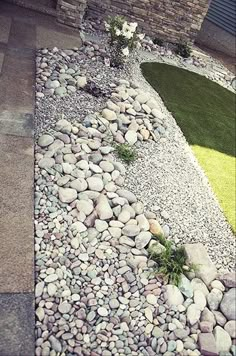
{"type": "Point", "coordinates": [198, 106]}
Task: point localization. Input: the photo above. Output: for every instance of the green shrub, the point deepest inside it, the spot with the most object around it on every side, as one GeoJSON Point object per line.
{"type": "Point", "coordinates": [158, 41]}
{"type": "Point", "coordinates": [183, 49]}
{"type": "Point", "coordinates": [171, 262]}
{"type": "Point", "coordinates": [125, 152]}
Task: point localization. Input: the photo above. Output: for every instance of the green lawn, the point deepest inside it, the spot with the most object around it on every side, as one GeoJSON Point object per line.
{"type": "Point", "coordinates": [205, 113]}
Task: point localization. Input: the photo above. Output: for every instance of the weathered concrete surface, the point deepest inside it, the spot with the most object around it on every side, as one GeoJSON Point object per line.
{"type": "Point", "coordinates": [17, 324]}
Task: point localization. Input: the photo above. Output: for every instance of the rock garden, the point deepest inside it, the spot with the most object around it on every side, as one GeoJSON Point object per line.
{"type": "Point", "coordinates": [133, 253]}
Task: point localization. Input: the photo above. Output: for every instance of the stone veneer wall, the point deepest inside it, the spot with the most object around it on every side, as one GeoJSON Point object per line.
{"type": "Point", "coordinates": [71, 12]}
{"type": "Point", "coordinates": [173, 20]}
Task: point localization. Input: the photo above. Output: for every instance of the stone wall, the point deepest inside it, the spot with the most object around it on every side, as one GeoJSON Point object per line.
{"type": "Point", "coordinates": [71, 12]}
{"type": "Point", "coordinates": [172, 20]}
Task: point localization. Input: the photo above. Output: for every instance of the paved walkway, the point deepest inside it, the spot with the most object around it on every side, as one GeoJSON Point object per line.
{"type": "Point", "coordinates": [21, 32]}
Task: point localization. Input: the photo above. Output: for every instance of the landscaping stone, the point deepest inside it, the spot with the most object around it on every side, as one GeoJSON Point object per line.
{"type": "Point", "coordinates": [214, 298]}
{"type": "Point", "coordinates": [103, 208]}
{"type": "Point", "coordinates": [142, 239]}
{"type": "Point", "coordinates": [230, 328]}
{"type": "Point", "coordinates": [200, 299]}
{"type": "Point", "coordinates": [207, 344]}
{"type": "Point", "coordinates": [67, 195]}
{"type": "Point", "coordinates": [173, 295]}
{"type": "Point", "coordinates": [185, 287]}
{"type": "Point", "coordinates": [45, 140]}
{"type": "Point", "coordinates": [228, 304]}
{"type": "Point", "coordinates": [229, 279]}
{"type": "Point", "coordinates": [197, 255]}
{"type": "Point", "coordinates": [193, 314]}
{"type": "Point", "coordinates": [222, 338]}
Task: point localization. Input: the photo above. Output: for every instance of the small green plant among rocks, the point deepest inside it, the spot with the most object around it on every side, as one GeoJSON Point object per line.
{"type": "Point", "coordinates": [125, 152]}
{"type": "Point", "coordinates": [183, 49]}
{"type": "Point", "coordinates": [171, 260]}
{"type": "Point", "coordinates": [123, 39]}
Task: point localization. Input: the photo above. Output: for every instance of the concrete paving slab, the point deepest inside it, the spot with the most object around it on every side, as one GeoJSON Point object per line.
{"type": "Point", "coordinates": [22, 35]}
{"type": "Point", "coordinates": [5, 26]}
{"type": "Point", "coordinates": [17, 124]}
{"type": "Point", "coordinates": [56, 37]}
{"type": "Point", "coordinates": [17, 84]}
{"type": "Point", "coordinates": [16, 214]}
{"type": "Point", "coordinates": [17, 325]}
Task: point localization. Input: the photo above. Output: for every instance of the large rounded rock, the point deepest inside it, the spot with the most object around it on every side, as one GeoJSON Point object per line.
{"type": "Point", "coordinates": [55, 343]}
{"type": "Point", "coordinates": [63, 126]}
{"type": "Point", "coordinates": [85, 206]}
{"type": "Point", "coordinates": [229, 279]}
{"type": "Point", "coordinates": [193, 314]}
{"type": "Point", "coordinates": [103, 208]}
{"type": "Point", "coordinates": [197, 284]}
{"type": "Point", "coordinates": [222, 338]}
{"type": "Point", "coordinates": [79, 184]}
{"type": "Point", "coordinates": [131, 230]}
{"type": "Point", "coordinates": [173, 295]}
{"type": "Point", "coordinates": [109, 115]}
{"type": "Point", "coordinates": [64, 308]}
{"type": "Point", "coordinates": [45, 140]}
{"type": "Point", "coordinates": [46, 163]}
{"type": "Point", "coordinates": [214, 298]}
{"type": "Point", "coordinates": [207, 315]}
{"type": "Point", "coordinates": [131, 137]}
{"type": "Point", "coordinates": [199, 299]}
{"type": "Point", "coordinates": [155, 228]}
{"type": "Point", "coordinates": [124, 193]}
{"type": "Point", "coordinates": [142, 239]}
{"type": "Point", "coordinates": [67, 195]}
{"type": "Point", "coordinates": [230, 328]}
{"type": "Point", "coordinates": [95, 183]}
{"type": "Point", "coordinates": [228, 304]}
{"type": "Point", "coordinates": [185, 287]}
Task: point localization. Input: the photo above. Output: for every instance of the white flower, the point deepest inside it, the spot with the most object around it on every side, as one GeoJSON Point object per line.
{"type": "Point", "coordinates": [107, 26]}
{"type": "Point", "coordinates": [141, 36]}
{"type": "Point", "coordinates": [133, 26]}
{"type": "Point", "coordinates": [127, 30]}
{"type": "Point", "coordinates": [125, 27]}
{"type": "Point", "coordinates": [128, 35]}
{"type": "Point", "coordinates": [118, 32]}
{"type": "Point", "coordinates": [125, 51]}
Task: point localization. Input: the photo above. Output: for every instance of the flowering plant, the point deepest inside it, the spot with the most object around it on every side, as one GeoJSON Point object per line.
{"type": "Point", "coordinates": [123, 38]}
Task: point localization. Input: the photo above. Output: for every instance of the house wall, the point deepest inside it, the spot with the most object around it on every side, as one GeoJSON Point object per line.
{"type": "Point", "coordinates": [216, 38]}
{"type": "Point", "coordinates": [173, 20]}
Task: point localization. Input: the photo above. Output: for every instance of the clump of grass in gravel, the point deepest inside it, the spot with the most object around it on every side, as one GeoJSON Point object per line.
{"type": "Point", "coordinates": [171, 262]}
{"type": "Point", "coordinates": [125, 152]}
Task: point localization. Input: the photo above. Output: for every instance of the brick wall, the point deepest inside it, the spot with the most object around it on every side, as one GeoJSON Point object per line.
{"type": "Point", "coordinates": [172, 20]}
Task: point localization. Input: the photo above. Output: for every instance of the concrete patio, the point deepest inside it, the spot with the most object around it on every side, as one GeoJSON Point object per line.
{"type": "Point", "coordinates": [22, 31]}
